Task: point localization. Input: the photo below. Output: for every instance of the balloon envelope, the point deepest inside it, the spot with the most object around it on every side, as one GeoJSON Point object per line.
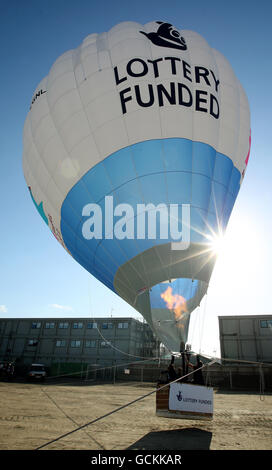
{"type": "Point", "coordinates": [135, 147]}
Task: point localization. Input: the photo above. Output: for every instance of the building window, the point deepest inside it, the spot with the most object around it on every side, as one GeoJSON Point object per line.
{"type": "Point", "coordinates": [36, 325]}
{"type": "Point", "coordinates": [266, 323]}
{"type": "Point", "coordinates": [105, 344]}
{"type": "Point", "coordinates": [63, 325]}
{"type": "Point", "coordinates": [50, 325]}
{"type": "Point", "coordinates": [106, 326]}
{"type": "Point", "coordinates": [32, 342]}
{"type": "Point", "coordinates": [123, 325]}
{"type": "Point", "coordinates": [77, 325]}
{"type": "Point", "coordinates": [60, 343]}
{"type": "Point", "coordinates": [75, 343]}
{"type": "Point", "coordinates": [90, 344]}
{"type": "Point", "coordinates": [92, 325]}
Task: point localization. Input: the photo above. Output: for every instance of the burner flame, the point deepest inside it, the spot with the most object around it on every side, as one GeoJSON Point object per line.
{"type": "Point", "coordinates": [175, 302]}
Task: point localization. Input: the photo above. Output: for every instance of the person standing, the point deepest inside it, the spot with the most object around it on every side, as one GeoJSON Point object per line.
{"type": "Point", "coordinates": [197, 368]}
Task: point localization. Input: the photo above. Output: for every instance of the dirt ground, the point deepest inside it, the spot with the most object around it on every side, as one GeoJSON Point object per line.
{"type": "Point", "coordinates": [34, 414]}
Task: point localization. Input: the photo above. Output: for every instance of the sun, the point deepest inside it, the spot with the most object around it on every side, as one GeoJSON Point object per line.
{"type": "Point", "coordinates": [217, 244]}
{"type": "Point", "coordinates": [238, 250]}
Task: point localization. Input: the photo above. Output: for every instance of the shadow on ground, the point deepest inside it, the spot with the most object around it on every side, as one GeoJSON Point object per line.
{"type": "Point", "coordinates": [181, 439]}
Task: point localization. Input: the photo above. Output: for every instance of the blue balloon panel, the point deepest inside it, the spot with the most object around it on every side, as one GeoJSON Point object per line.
{"type": "Point", "coordinates": [161, 171]}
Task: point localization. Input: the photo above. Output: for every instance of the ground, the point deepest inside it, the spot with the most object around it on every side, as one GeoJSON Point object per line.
{"type": "Point", "coordinates": [34, 414]}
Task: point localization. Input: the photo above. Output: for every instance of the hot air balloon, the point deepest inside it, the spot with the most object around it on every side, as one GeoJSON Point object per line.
{"type": "Point", "coordinates": [135, 147]}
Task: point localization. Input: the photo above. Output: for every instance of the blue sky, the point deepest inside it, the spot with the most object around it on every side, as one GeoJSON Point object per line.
{"type": "Point", "coordinates": [37, 277]}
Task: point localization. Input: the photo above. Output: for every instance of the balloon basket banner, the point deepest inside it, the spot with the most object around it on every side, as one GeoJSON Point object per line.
{"type": "Point", "coordinates": [185, 401]}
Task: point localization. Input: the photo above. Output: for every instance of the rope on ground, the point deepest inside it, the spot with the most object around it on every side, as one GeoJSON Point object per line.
{"type": "Point", "coordinates": [120, 408]}
{"type": "Point", "coordinates": [70, 418]}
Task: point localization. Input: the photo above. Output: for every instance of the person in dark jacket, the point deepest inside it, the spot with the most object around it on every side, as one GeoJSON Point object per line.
{"type": "Point", "coordinates": [197, 375]}
{"type": "Point", "coordinates": [171, 374]}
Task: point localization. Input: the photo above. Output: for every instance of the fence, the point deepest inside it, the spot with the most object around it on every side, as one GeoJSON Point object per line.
{"type": "Point", "coordinates": [228, 377]}
{"type": "Point", "coordinates": [231, 376]}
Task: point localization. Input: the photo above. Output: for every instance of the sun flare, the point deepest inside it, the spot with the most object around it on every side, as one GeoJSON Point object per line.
{"type": "Point", "coordinates": [217, 244]}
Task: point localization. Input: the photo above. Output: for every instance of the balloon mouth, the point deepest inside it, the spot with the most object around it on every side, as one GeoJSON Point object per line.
{"type": "Point", "coordinates": [171, 304]}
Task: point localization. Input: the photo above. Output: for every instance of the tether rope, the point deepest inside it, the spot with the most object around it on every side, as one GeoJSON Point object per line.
{"type": "Point", "coordinates": [121, 407]}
